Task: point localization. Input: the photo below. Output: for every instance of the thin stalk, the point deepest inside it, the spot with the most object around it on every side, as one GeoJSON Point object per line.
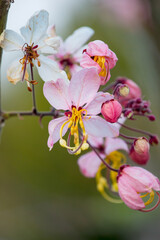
{"type": "Point", "coordinates": [135, 130]}
{"type": "Point", "coordinates": [106, 164]}
{"type": "Point", "coordinates": [33, 90]}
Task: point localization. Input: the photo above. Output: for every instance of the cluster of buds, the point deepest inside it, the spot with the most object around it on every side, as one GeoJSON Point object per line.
{"type": "Point", "coordinates": [73, 74]}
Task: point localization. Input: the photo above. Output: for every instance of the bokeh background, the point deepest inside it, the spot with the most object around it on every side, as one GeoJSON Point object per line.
{"type": "Point", "coordinates": [43, 195]}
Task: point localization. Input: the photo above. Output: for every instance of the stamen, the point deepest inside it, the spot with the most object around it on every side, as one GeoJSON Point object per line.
{"type": "Point", "coordinates": [102, 185]}
{"type": "Point", "coordinates": [101, 60]}
{"type": "Point", "coordinates": [154, 207]}
{"type": "Point", "coordinates": [151, 198]}
{"type": "Point", "coordinates": [75, 119]}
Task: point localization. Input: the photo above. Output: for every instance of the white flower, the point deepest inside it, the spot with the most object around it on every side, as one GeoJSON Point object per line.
{"type": "Point", "coordinates": [70, 51]}
{"type": "Point", "coordinates": [31, 46]}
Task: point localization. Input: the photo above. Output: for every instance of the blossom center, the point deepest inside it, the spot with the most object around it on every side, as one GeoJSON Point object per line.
{"type": "Point", "coordinates": [75, 120]}
{"type": "Point", "coordinates": [30, 54]}
{"type": "Point", "coordinates": [102, 63]}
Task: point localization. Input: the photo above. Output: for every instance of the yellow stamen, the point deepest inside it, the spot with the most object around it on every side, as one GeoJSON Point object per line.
{"type": "Point", "coordinates": [75, 120]}
{"type": "Point", "coordinates": [101, 61]}
{"type": "Point", "coordinates": [115, 160]}
{"type": "Point", "coordinates": [102, 185]}
{"type": "Point", "coordinates": [151, 197]}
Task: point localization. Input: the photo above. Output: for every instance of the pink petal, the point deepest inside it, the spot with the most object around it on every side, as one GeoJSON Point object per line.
{"type": "Point", "coordinates": [89, 164]}
{"type": "Point", "coordinates": [141, 179]}
{"type": "Point", "coordinates": [94, 107]}
{"type": "Point", "coordinates": [113, 144]}
{"type": "Point", "coordinates": [130, 197]}
{"type": "Point", "coordinates": [83, 86]}
{"type": "Point", "coordinates": [57, 94]}
{"type": "Point", "coordinates": [88, 62]}
{"type": "Point", "coordinates": [97, 48]}
{"type": "Point", "coordinates": [98, 127]}
{"type": "Point", "coordinates": [95, 141]}
{"type": "Point", "coordinates": [54, 130]}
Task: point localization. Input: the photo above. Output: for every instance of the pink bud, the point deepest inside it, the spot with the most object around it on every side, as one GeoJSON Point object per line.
{"type": "Point", "coordinates": [153, 140]}
{"type": "Point", "coordinates": [139, 152]}
{"type": "Point", "coordinates": [134, 90]}
{"type": "Point", "coordinates": [111, 110]}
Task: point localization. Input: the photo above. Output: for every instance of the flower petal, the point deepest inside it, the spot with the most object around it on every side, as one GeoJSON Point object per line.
{"type": "Point", "coordinates": [141, 179]}
{"type": "Point", "coordinates": [98, 127]}
{"type": "Point", "coordinates": [11, 41]}
{"type": "Point", "coordinates": [49, 45]}
{"type": "Point", "coordinates": [113, 144]}
{"type": "Point", "coordinates": [14, 72]}
{"type": "Point", "coordinates": [88, 62]}
{"type": "Point", "coordinates": [36, 27]}
{"type": "Point", "coordinates": [56, 92]}
{"type": "Point", "coordinates": [97, 48]}
{"type": "Point", "coordinates": [94, 107]}
{"type": "Point", "coordinates": [129, 195]}
{"type": "Point", "coordinates": [77, 39]}
{"type": "Point", "coordinates": [95, 141]}
{"type": "Point", "coordinates": [83, 86]}
{"type": "Point", "coordinates": [49, 69]}
{"type": "Point", "coordinates": [89, 164]}
{"type": "Point", "coordinates": [54, 130]}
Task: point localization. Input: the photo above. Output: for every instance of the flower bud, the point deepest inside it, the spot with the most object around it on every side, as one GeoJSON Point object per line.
{"type": "Point", "coordinates": [124, 90]}
{"type": "Point", "coordinates": [111, 110]}
{"type": "Point", "coordinates": [134, 90]}
{"type": "Point", "coordinates": [153, 140]}
{"type": "Point", "coordinates": [139, 152]}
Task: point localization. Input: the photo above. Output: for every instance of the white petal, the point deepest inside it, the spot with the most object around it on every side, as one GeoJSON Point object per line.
{"type": "Point", "coordinates": [54, 127]}
{"type": "Point", "coordinates": [113, 144]}
{"type": "Point", "coordinates": [57, 94]}
{"type": "Point", "coordinates": [49, 45]}
{"type": "Point", "coordinates": [36, 27]}
{"type": "Point", "coordinates": [77, 39]}
{"type": "Point", "coordinates": [89, 164]}
{"type": "Point", "coordinates": [84, 86]}
{"type": "Point", "coordinates": [49, 69]}
{"type": "Point", "coordinates": [94, 107]}
{"type": "Point", "coordinates": [98, 127]}
{"type": "Point", "coordinates": [11, 41]}
{"type": "Point", "coordinates": [14, 72]}
{"type": "Point", "coordinates": [121, 120]}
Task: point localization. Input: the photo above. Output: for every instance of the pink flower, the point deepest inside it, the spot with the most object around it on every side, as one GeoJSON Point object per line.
{"type": "Point", "coordinates": [99, 55]}
{"type": "Point", "coordinates": [89, 163]}
{"type": "Point", "coordinates": [81, 103]}
{"type": "Point", "coordinates": [70, 51]}
{"type": "Point", "coordinates": [111, 110]}
{"type": "Point", "coordinates": [134, 90]}
{"type": "Point", "coordinates": [139, 152]}
{"type": "Point", "coordinates": [134, 181]}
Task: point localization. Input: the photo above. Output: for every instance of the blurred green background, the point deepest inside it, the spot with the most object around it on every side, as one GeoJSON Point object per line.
{"type": "Point", "coordinates": [43, 195]}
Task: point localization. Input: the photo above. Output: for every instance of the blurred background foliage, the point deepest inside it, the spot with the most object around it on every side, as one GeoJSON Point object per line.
{"type": "Point", "coordinates": [43, 194]}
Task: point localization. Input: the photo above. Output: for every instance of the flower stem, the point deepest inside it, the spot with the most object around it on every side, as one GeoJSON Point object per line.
{"type": "Point", "coordinates": [104, 162]}
{"type": "Point", "coordinates": [33, 91]}
{"type": "Point", "coordinates": [135, 130]}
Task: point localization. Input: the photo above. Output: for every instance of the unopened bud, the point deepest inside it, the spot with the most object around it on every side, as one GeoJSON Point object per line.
{"type": "Point", "coordinates": [111, 110]}
{"type": "Point", "coordinates": [151, 118]}
{"type": "Point", "coordinates": [134, 90]}
{"type": "Point", "coordinates": [139, 152]}
{"type": "Point", "coordinates": [153, 140]}
{"type": "Point", "coordinates": [124, 91]}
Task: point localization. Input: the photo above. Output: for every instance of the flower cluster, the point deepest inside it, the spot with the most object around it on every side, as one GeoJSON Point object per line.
{"type": "Point", "coordinates": [83, 115]}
